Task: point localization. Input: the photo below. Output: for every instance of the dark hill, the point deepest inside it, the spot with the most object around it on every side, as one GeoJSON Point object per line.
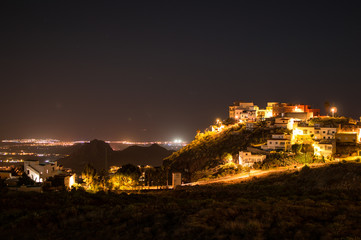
{"type": "Point", "coordinates": [138, 155]}
{"type": "Point", "coordinates": [100, 155]}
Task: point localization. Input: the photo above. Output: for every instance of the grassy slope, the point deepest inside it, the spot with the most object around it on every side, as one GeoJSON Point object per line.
{"type": "Point", "coordinates": [322, 203]}
{"type": "Point", "coordinates": [207, 148]}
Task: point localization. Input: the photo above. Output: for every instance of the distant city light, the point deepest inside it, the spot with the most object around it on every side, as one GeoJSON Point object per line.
{"type": "Point", "coordinates": [177, 141]}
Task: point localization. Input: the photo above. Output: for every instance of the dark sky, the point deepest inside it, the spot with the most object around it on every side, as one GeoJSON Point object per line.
{"type": "Point", "coordinates": [159, 70]}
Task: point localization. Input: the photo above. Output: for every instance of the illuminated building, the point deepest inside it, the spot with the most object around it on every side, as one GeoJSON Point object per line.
{"type": "Point", "coordinates": [304, 116]}
{"type": "Point", "coordinates": [346, 137]}
{"type": "Point", "coordinates": [247, 111]}
{"type": "Point", "coordinates": [278, 142]}
{"type": "Point", "coordinates": [247, 159]}
{"type": "Point", "coordinates": [284, 122]}
{"type": "Point", "coordinates": [39, 172]}
{"type": "Point", "coordinates": [324, 148]}
{"type": "Point", "coordinates": [282, 108]}
{"type": "Point", "coordinates": [243, 111]}
{"type": "Point", "coordinates": [306, 133]}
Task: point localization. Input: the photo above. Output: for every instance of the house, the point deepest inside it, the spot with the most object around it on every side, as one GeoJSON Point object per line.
{"type": "Point", "coordinates": [324, 148]}
{"type": "Point", "coordinates": [298, 109]}
{"type": "Point", "coordinates": [39, 172]}
{"type": "Point", "coordinates": [278, 142]}
{"type": "Point", "coordinates": [324, 133]}
{"type": "Point", "coordinates": [304, 116]}
{"type": "Point", "coordinates": [247, 159]}
{"type": "Point", "coordinates": [285, 122]}
{"type": "Point", "coordinates": [243, 111]}
{"type": "Point", "coordinates": [350, 129]}
{"type": "Point", "coordinates": [305, 133]}
{"type": "Point", "coordinates": [217, 128]}
{"type": "Point", "coordinates": [281, 122]}
{"type": "Point", "coordinates": [347, 138]}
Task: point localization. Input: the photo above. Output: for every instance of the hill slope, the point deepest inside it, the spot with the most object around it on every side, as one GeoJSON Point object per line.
{"type": "Point", "coordinates": [206, 149]}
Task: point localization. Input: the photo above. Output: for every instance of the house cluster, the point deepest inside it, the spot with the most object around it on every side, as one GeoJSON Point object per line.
{"type": "Point", "coordinates": [40, 174]}
{"type": "Point", "coordinates": [295, 120]}
{"type": "Point", "coordinates": [247, 111]}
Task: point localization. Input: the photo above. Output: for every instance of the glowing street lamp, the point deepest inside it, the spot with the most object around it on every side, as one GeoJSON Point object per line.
{"type": "Point", "coordinates": [333, 110]}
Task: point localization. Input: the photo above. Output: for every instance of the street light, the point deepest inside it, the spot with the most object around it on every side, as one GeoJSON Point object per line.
{"type": "Point", "coordinates": [333, 110]}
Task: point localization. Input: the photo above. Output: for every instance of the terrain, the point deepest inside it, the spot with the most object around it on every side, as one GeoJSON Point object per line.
{"type": "Point", "coordinates": [100, 155]}
{"type": "Point", "coordinates": [311, 203]}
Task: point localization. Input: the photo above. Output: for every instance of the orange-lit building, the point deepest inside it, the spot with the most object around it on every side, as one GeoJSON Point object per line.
{"type": "Point", "coordinates": [280, 108]}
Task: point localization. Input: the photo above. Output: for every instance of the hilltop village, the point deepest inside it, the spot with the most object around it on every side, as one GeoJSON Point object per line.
{"type": "Point", "coordinates": [302, 125]}
{"type": "Point", "coordinates": [251, 138]}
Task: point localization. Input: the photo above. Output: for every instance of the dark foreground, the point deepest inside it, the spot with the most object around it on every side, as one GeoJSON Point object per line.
{"type": "Point", "coordinates": [321, 203]}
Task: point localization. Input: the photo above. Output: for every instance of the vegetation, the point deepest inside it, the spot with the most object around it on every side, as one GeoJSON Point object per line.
{"type": "Point", "coordinates": [319, 203]}
{"type": "Point", "coordinates": [128, 177]}
{"type": "Point", "coordinates": [219, 171]}
{"type": "Point", "coordinates": [329, 121]}
{"type": "Point", "coordinates": [284, 159]}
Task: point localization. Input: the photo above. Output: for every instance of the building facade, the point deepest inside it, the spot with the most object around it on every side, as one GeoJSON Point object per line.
{"type": "Point", "coordinates": [278, 142]}
{"type": "Point", "coordinates": [247, 159]}
{"type": "Point", "coordinates": [39, 172]}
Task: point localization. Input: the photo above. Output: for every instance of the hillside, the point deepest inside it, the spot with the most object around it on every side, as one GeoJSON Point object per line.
{"type": "Point", "coordinates": [100, 155]}
{"type": "Point", "coordinates": [207, 149]}
{"type": "Point", "coordinates": [316, 203]}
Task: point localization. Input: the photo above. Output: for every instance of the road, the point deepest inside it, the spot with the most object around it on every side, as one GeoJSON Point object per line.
{"type": "Point", "coordinates": [252, 173]}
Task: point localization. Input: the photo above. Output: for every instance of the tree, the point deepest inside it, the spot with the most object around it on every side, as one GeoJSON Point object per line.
{"type": "Point", "coordinates": [90, 178]}
{"type": "Point", "coordinates": [296, 148]}
{"type": "Point", "coordinates": [121, 181]}
{"type": "Point", "coordinates": [227, 157]}
{"type": "Point", "coordinates": [130, 170]}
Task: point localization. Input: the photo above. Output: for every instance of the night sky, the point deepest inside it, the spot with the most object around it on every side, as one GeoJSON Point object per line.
{"type": "Point", "coordinates": [160, 70]}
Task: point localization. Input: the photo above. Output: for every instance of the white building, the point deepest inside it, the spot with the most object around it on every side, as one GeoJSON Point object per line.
{"type": "Point", "coordinates": [39, 172]}
{"type": "Point", "coordinates": [243, 111]}
{"type": "Point", "coordinates": [278, 142]}
{"type": "Point", "coordinates": [247, 159]}
{"type": "Point", "coordinates": [316, 133]}
{"type": "Point", "coordinates": [324, 149]}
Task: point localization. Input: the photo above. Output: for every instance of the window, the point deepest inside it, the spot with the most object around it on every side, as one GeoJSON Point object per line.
{"type": "Point", "coordinates": [324, 131]}
{"type": "Point", "coordinates": [304, 131]}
